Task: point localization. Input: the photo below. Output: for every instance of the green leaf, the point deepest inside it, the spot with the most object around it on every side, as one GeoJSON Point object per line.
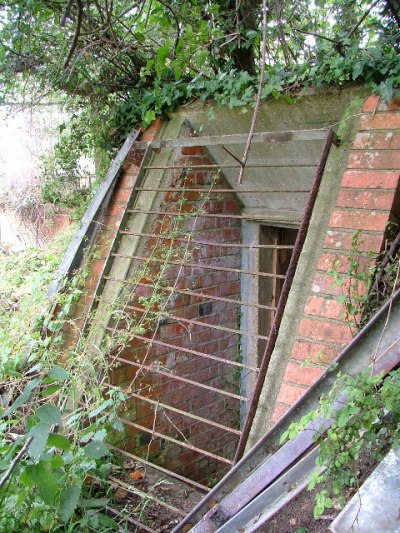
{"type": "Point", "coordinates": [58, 373]}
{"type": "Point", "coordinates": [69, 499]}
{"type": "Point", "coordinates": [22, 398]}
{"type": "Point", "coordinates": [91, 503]}
{"type": "Point", "coordinates": [101, 408]}
{"type": "Point", "coordinates": [40, 434]}
{"type": "Point", "coordinates": [59, 441]}
{"type": "Point", "coordinates": [96, 449]}
{"type": "Point", "coordinates": [50, 390]}
{"type": "Point", "coordinates": [49, 414]}
{"type": "Point", "coordinates": [45, 479]}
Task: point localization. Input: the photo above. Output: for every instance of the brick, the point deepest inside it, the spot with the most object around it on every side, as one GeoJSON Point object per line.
{"type": "Point", "coordinates": [121, 195]}
{"type": "Point", "coordinates": [380, 121]}
{"type": "Point", "coordinates": [314, 351]}
{"type": "Point", "coordinates": [279, 411]}
{"type": "Point", "coordinates": [357, 198]}
{"type": "Point", "coordinates": [289, 394]}
{"type": "Point", "coordinates": [324, 307]}
{"type": "Point", "coordinates": [193, 150]}
{"type": "Point", "coordinates": [324, 284]}
{"type": "Point", "coordinates": [371, 179]}
{"type": "Point", "coordinates": [154, 128]}
{"type": "Point", "coordinates": [341, 263]}
{"type": "Point", "coordinates": [382, 159]}
{"type": "Point", "coordinates": [357, 219]}
{"type": "Point", "coordinates": [325, 330]}
{"type": "Point", "coordinates": [302, 375]}
{"type": "Point", "coordinates": [374, 140]}
{"type": "Point", "coordinates": [342, 240]}
{"type": "Point", "coordinates": [371, 103]}
{"type": "Point", "coordinates": [393, 105]}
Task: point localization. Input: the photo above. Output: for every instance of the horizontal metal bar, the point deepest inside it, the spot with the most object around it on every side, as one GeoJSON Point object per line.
{"type": "Point", "coordinates": [191, 293]}
{"type": "Point", "coordinates": [201, 266]}
{"type": "Point", "coordinates": [193, 321]}
{"type": "Point", "coordinates": [170, 473]}
{"type": "Point", "coordinates": [221, 191]}
{"type": "Point", "coordinates": [187, 350]}
{"type": "Point", "coordinates": [272, 137]}
{"type": "Point", "coordinates": [190, 214]}
{"type": "Point", "coordinates": [211, 243]}
{"type": "Point", "coordinates": [146, 495]}
{"type": "Point", "coordinates": [176, 441]}
{"type": "Point", "coordinates": [180, 411]}
{"type": "Point", "coordinates": [179, 378]}
{"type": "Point", "coordinates": [302, 164]}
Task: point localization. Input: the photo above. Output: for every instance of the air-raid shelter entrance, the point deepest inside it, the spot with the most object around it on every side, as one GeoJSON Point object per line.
{"type": "Point", "coordinates": [193, 286]}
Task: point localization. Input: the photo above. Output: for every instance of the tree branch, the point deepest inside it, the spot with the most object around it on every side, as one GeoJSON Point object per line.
{"type": "Point", "coordinates": [14, 462]}
{"type": "Point", "coordinates": [77, 33]}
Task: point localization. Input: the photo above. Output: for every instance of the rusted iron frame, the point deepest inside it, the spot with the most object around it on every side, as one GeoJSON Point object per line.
{"type": "Point", "coordinates": [272, 137]}
{"type": "Point", "coordinates": [142, 494]}
{"type": "Point", "coordinates": [170, 473]}
{"type": "Point", "coordinates": [210, 243]}
{"type": "Point", "coordinates": [193, 293]}
{"type": "Point", "coordinates": [301, 235]}
{"type": "Point", "coordinates": [302, 164]}
{"type": "Point", "coordinates": [200, 266]}
{"type": "Point", "coordinates": [187, 350]}
{"type": "Point", "coordinates": [159, 435]}
{"type": "Point", "coordinates": [180, 411]}
{"type": "Point", "coordinates": [141, 366]}
{"type": "Point", "coordinates": [386, 361]}
{"type": "Point", "coordinates": [165, 314]}
{"type": "Point", "coordinates": [222, 191]}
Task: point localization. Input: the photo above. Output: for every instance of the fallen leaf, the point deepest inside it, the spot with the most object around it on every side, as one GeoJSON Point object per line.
{"type": "Point", "coordinates": [120, 493]}
{"type": "Point", "coordinates": [136, 474]}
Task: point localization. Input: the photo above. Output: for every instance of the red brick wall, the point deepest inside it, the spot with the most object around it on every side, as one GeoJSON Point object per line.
{"type": "Point", "coordinates": [368, 199]}
{"type": "Point", "coordinates": [201, 402]}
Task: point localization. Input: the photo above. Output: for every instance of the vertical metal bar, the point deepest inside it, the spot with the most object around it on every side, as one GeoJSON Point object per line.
{"type": "Point", "coordinates": [330, 138]}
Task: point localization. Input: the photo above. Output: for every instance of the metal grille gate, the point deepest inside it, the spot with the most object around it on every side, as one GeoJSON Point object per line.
{"type": "Point", "coordinates": [169, 303]}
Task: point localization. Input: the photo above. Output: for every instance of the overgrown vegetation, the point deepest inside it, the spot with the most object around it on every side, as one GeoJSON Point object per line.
{"type": "Point", "coordinates": [53, 419]}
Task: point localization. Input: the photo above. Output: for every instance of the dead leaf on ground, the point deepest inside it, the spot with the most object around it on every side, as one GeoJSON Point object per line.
{"type": "Point", "coordinates": [136, 474]}
{"type": "Point", "coordinates": [120, 493]}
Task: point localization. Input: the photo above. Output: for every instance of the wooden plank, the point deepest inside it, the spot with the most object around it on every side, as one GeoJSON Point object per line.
{"type": "Point", "coordinates": [87, 231]}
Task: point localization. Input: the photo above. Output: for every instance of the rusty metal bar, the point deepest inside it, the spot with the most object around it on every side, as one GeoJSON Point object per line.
{"type": "Point", "coordinates": [301, 164]}
{"type": "Point", "coordinates": [200, 266]}
{"type": "Point", "coordinates": [165, 314]}
{"type": "Point", "coordinates": [179, 378]}
{"type": "Point", "coordinates": [146, 495]}
{"type": "Point", "coordinates": [301, 236]}
{"type": "Point", "coordinates": [272, 137]}
{"type": "Point", "coordinates": [185, 413]}
{"type": "Point", "coordinates": [176, 441]}
{"type": "Point", "coordinates": [210, 243]}
{"type": "Point", "coordinates": [221, 191]}
{"type": "Point", "coordinates": [186, 350]}
{"type": "Point", "coordinates": [170, 473]}
{"type": "Point", "coordinates": [191, 293]}
{"type": "Point", "coordinates": [188, 214]}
